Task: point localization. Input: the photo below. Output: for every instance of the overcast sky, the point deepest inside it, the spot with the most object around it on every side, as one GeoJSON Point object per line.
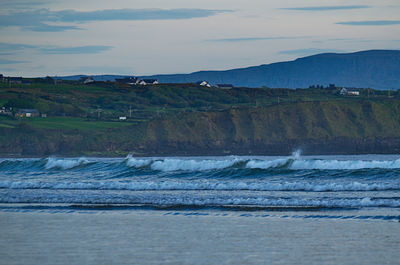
{"type": "Point", "coordinates": [54, 37]}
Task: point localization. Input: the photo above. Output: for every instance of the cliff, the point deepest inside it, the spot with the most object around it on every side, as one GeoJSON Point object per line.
{"type": "Point", "coordinates": [326, 127]}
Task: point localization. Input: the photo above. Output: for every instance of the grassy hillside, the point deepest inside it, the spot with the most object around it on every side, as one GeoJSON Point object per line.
{"type": "Point", "coordinates": [319, 127]}
{"type": "Point", "coordinates": [173, 119]}
{"type": "Point", "coordinates": [109, 100]}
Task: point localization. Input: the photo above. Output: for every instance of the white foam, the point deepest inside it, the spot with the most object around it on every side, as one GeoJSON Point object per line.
{"type": "Point", "coordinates": [135, 162]}
{"type": "Point", "coordinates": [203, 185]}
{"type": "Point", "coordinates": [64, 163]}
{"type": "Point", "coordinates": [295, 162]}
{"type": "Point", "coordinates": [266, 164]}
{"type": "Point", "coordinates": [192, 164]}
{"type": "Point", "coordinates": [344, 164]}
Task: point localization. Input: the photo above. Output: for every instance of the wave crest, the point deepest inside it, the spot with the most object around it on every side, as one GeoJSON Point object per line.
{"type": "Point", "coordinates": [54, 163]}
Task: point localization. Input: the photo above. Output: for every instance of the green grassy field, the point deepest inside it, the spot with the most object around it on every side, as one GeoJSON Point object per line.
{"type": "Point", "coordinates": [148, 102]}
{"type": "Point", "coordinates": [64, 123]}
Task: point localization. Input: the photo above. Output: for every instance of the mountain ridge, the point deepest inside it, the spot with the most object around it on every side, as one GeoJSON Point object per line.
{"type": "Point", "coordinates": [379, 69]}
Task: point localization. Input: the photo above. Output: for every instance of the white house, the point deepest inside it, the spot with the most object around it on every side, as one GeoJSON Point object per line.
{"type": "Point", "coordinates": [88, 80]}
{"type": "Point", "coordinates": [145, 82]}
{"type": "Point", "coordinates": [122, 118]}
{"type": "Point", "coordinates": [353, 92]}
{"type": "Point", "coordinates": [349, 91]}
{"type": "Point", "coordinates": [203, 83]}
{"type": "Point", "coordinates": [27, 113]}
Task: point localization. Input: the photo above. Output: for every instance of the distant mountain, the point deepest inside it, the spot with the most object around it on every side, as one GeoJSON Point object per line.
{"type": "Point", "coordinates": [379, 69]}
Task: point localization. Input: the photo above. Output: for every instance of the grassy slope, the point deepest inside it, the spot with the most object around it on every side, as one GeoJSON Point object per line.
{"type": "Point", "coordinates": [187, 119]}
{"type": "Point", "coordinates": [352, 124]}
{"type": "Point", "coordinates": [317, 127]}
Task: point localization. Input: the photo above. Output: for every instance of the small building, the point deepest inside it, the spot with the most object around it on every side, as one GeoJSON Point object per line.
{"type": "Point", "coordinates": [122, 118]}
{"type": "Point", "coordinates": [128, 80]}
{"type": "Point", "coordinates": [28, 113]}
{"type": "Point", "coordinates": [145, 82]}
{"type": "Point", "coordinates": [5, 111]}
{"type": "Point", "coordinates": [349, 91]}
{"type": "Point", "coordinates": [353, 92]}
{"type": "Point", "coordinates": [225, 86]}
{"type": "Point", "coordinates": [87, 80]}
{"type": "Point", "coordinates": [15, 80]}
{"type": "Point", "coordinates": [203, 83]}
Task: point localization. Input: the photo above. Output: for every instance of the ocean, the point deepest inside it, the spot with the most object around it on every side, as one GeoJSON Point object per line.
{"type": "Point", "coordinates": [201, 210]}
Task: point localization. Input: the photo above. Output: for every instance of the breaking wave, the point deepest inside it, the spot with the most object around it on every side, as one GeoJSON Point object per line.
{"type": "Point", "coordinates": [292, 181]}
{"type": "Point", "coordinates": [176, 164]}
{"type": "Point", "coordinates": [203, 185]}
{"type": "Point", "coordinates": [65, 163]}
{"type": "Point", "coordinates": [294, 162]}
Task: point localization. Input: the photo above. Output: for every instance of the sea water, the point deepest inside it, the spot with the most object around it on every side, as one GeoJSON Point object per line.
{"type": "Point", "coordinates": [201, 210]}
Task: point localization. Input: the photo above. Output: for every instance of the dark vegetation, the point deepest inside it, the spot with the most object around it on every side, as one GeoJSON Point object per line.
{"type": "Point", "coordinates": [186, 119]}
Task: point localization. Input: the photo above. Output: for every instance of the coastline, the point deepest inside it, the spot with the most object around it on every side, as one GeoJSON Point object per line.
{"type": "Point", "coordinates": [180, 155]}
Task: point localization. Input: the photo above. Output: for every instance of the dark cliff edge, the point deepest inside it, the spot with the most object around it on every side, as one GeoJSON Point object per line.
{"type": "Point", "coordinates": [328, 127]}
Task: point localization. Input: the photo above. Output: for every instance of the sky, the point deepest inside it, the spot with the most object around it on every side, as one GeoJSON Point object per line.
{"type": "Point", "coordinates": [132, 37]}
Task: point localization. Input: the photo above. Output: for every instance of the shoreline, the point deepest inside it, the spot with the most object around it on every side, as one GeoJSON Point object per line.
{"type": "Point", "coordinates": [177, 237]}
{"type": "Point", "coordinates": [14, 156]}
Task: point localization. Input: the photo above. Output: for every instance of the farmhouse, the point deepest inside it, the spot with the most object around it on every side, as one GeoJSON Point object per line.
{"type": "Point", "coordinates": [86, 80]}
{"type": "Point", "coordinates": [145, 82]}
{"type": "Point", "coordinates": [5, 111]}
{"type": "Point", "coordinates": [349, 91]}
{"type": "Point", "coordinates": [27, 113]}
{"type": "Point", "coordinates": [203, 83]}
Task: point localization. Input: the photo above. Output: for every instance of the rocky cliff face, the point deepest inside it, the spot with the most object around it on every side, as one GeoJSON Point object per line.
{"type": "Point", "coordinates": [335, 127]}
{"type": "Point", "coordinates": [314, 127]}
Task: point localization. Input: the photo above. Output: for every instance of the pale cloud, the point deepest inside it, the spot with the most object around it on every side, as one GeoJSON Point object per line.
{"type": "Point", "coordinates": [370, 23]}
{"type": "Point", "coordinates": [310, 51]}
{"type": "Point", "coordinates": [6, 61]}
{"type": "Point", "coordinates": [245, 39]}
{"type": "Point", "coordinates": [92, 49]}
{"type": "Point", "coordinates": [14, 46]}
{"type": "Point", "coordinates": [42, 19]}
{"type": "Point", "coordinates": [326, 8]}
{"type": "Point", "coordinates": [88, 49]}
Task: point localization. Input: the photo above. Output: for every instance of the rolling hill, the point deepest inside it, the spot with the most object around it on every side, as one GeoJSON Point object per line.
{"type": "Point", "coordinates": [379, 69]}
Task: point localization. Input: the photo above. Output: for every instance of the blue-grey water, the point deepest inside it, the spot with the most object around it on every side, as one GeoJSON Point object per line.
{"type": "Point", "coordinates": [201, 210]}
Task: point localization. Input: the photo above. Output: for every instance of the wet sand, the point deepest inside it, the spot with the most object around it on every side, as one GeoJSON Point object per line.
{"type": "Point", "coordinates": [194, 237]}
